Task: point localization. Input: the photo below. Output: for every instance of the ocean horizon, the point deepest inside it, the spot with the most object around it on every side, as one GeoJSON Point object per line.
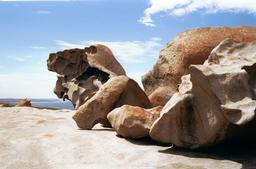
{"type": "Point", "coordinates": [41, 103]}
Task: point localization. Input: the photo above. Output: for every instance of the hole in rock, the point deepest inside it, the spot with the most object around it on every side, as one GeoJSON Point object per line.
{"type": "Point", "coordinates": [91, 71]}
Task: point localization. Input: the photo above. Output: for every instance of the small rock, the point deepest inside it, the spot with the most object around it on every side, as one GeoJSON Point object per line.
{"type": "Point", "coordinates": [24, 103]}
{"type": "Point", "coordinates": [133, 121]}
{"type": "Point", "coordinates": [5, 105]}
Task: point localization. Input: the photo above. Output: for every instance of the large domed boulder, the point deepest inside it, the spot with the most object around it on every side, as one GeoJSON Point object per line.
{"type": "Point", "coordinates": [189, 47]}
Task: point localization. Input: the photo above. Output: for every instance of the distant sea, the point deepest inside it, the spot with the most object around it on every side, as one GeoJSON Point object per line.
{"type": "Point", "coordinates": [42, 103]}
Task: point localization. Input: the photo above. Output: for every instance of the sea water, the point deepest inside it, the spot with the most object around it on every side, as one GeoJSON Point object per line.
{"type": "Point", "coordinates": [42, 103]}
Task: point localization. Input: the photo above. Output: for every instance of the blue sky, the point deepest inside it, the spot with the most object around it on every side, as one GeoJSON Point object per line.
{"type": "Point", "coordinates": [135, 30]}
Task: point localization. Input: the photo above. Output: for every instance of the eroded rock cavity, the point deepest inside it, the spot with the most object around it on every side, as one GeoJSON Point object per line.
{"type": "Point", "coordinates": [94, 81]}
{"type": "Point", "coordinates": [81, 72]}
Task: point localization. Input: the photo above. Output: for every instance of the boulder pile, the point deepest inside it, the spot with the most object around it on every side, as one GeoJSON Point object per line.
{"type": "Point", "coordinates": [201, 91]}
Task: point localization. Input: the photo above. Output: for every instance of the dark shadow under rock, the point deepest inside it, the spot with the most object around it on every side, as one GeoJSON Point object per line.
{"type": "Point", "coordinates": [146, 141]}
{"type": "Point", "coordinates": [241, 151]}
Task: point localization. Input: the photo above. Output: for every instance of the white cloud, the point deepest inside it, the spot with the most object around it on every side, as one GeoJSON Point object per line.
{"type": "Point", "coordinates": [43, 12]}
{"type": "Point", "coordinates": [182, 7]}
{"type": "Point", "coordinates": [67, 45]}
{"type": "Point", "coordinates": [125, 51]}
{"type": "Point", "coordinates": [19, 58]}
{"type": "Point", "coordinates": [38, 47]}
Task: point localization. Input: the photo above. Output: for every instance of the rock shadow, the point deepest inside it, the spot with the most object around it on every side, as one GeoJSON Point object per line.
{"type": "Point", "coordinates": [243, 152]}
{"type": "Point", "coordinates": [145, 141]}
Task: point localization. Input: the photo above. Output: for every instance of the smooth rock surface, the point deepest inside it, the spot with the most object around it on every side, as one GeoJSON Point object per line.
{"type": "Point", "coordinates": [216, 101]}
{"type": "Point", "coordinates": [133, 121]}
{"type": "Point", "coordinates": [48, 139]}
{"type": "Point", "coordinates": [190, 47]}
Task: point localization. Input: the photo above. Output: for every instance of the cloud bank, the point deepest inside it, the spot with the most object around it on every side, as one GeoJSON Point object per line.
{"type": "Point", "coordinates": [125, 51]}
{"type": "Point", "coordinates": [182, 7]}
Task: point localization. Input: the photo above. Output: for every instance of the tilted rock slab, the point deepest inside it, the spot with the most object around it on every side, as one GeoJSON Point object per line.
{"type": "Point", "coordinates": [117, 91]}
{"type": "Point", "coordinates": [81, 72]}
{"type": "Point", "coordinates": [215, 102]}
{"type": "Point", "coordinates": [189, 47]}
{"type": "Point", "coordinates": [133, 121]}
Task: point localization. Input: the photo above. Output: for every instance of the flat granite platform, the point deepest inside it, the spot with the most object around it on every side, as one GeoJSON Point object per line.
{"type": "Point", "coordinates": [33, 138]}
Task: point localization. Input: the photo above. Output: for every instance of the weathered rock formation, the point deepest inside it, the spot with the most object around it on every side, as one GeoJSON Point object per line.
{"type": "Point", "coordinates": [190, 47]}
{"type": "Point", "coordinates": [133, 121]}
{"type": "Point", "coordinates": [117, 91]}
{"type": "Point", "coordinates": [81, 72]}
{"type": "Point", "coordinates": [92, 80]}
{"type": "Point", "coordinates": [24, 103]}
{"type": "Point", "coordinates": [216, 101]}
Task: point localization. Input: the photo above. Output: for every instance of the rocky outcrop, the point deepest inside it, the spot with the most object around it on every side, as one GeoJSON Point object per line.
{"type": "Point", "coordinates": [216, 101]}
{"type": "Point", "coordinates": [24, 103]}
{"type": "Point", "coordinates": [34, 138]}
{"type": "Point", "coordinates": [92, 80]}
{"type": "Point", "coordinates": [133, 121]}
{"type": "Point", "coordinates": [190, 47]}
{"type": "Point", "coordinates": [81, 72]}
{"type": "Point", "coordinates": [117, 91]}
